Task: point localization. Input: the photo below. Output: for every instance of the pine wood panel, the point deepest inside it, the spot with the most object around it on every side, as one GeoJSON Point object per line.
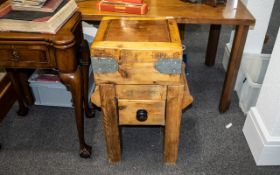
{"type": "Point", "coordinates": [152, 32]}
{"type": "Point", "coordinates": [137, 50]}
{"type": "Point", "coordinates": [141, 92]}
{"type": "Point", "coordinates": [172, 123]}
{"type": "Point", "coordinates": [136, 73]}
{"type": "Point", "coordinates": [110, 121]}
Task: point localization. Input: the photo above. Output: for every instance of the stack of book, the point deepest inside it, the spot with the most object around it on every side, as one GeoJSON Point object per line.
{"type": "Point", "coordinates": [43, 16]}
{"type": "Point", "coordinates": [125, 6]}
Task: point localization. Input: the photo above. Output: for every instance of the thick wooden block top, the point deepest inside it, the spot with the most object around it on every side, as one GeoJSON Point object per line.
{"type": "Point", "coordinates": [126, 49]}
{"type": "Point", "coordinates": [138, 31]}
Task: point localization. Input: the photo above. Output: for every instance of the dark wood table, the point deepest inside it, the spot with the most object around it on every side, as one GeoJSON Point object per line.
{"type": "Point", "coordinates": [65, 51]}
{"type": "Point", "coordinates": [188, 13]}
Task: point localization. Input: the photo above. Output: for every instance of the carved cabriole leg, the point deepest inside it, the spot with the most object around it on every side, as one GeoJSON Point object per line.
{"type": "Point", "coordinates": [71, 75]}
{"type": "Point", "coordinates": [85, 62]}
{"type": "Point", "coordinates": [13, 74]}
{"type": "Point", "coordinates": [110, 121]}
{"type": "Point", "coordinates": [74, 82]}
{"type": "Point", "coordinates": [172, 123]}
{"type": "Point", "coordinates": [233, 66]}
{"type": "Point", "coordinates": [212, 47]}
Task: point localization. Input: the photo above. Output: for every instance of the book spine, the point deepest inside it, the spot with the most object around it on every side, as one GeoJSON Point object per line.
{"type": "Point", "coordinates": [139, 9]}
{"type": "Point", "coordinates": [126, 1]}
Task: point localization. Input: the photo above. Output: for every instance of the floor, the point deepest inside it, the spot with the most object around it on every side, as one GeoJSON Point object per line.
{"type": "Point", "coordinates": [45, 141]}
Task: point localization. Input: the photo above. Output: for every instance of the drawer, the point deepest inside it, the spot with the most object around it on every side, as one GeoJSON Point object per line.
{"type": "Point", "coordinates": [141, 92]}
{"type": "Point", "coordinates": [37, 56]}
{"type": "Point", "coordinates": [154, 110]}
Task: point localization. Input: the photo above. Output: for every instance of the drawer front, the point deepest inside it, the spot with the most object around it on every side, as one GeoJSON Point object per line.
{"type": "Point", "coordinates": [141, 112]}
{"type": "Point", "coordinates": [26, 56]}
{"type": "Point", "coordinates": [141, 92]}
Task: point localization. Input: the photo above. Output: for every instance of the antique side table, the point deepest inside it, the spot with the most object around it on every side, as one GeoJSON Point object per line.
{"type": "Point", "coordinates": [65, 51]}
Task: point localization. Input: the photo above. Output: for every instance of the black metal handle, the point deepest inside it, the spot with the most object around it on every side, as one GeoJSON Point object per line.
{"type": "Point", "coordinates": [141, 115]}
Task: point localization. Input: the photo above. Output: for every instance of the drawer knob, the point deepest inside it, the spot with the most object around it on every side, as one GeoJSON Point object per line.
{"type": "Point", "coordinates": [15, 55]}
{"type": "Point", "coordinates": [141, 115]}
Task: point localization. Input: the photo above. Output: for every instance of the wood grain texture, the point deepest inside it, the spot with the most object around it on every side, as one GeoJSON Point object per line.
{"type": "Point", "coordinates": [141, 30]}
{"type": "Point", "coordinates": [141, 92]}
{"type": "Point", "coordinates": [95, 97]}
{"type": "Point", "coordinates": [133, 74]}
{"type": "Point", "coordinates": [233, 66]}
{"type": "Point", "coordinates": [187, 97]}
{"type": "Point", "coordinates": [181, 11]}
{"type": "Point", "coordinates": [140, 53]}
{"type": "Point", "coordinates": [110, 121]}
{"type": "Point", "coordinates": [172, 123]}
{"type": "Point", "coordinates": [128, 110]}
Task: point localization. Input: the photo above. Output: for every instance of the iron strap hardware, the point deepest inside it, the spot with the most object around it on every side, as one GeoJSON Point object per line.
{"type": "Point", "coordinates": [169, 66]}
{"type": "Point", "coordinates": [104, 64]}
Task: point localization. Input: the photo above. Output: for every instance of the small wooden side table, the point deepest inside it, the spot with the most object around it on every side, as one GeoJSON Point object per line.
{"type": "Point", "coordinates": [138, 70]}
{"type": "Point", "coordinates": [65, 51]}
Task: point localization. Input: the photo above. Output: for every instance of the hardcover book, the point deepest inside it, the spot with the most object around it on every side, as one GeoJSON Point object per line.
{"type": "Point", "coordinates": [49, 6]}
{"type": "Point", "coordinates": [31, 3]}
{"type": "Point", "coordinates": [30, 21]}
{"type": "Point", "coordinates": [122, 7]}
{"type": "Point", "coordinates": [127, 1]}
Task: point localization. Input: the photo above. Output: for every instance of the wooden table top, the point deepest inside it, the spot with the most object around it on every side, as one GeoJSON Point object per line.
{"type": "Point", "coordinates": [182, 11]}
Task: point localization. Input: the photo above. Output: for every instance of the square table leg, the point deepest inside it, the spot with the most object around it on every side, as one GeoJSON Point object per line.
{"type": "Point", "coordinates": [212, 46]}
{"type": "Point", "coordinates": [172, 123]}
{"type": "Point", "coordinates": [233, 65]}
{"type": "Point", "coordinates": [110, 121]}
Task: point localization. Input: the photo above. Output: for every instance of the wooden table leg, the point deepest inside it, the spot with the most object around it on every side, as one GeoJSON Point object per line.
{"type": "Point", "coordinates": [23, 77]}
{"type": "Point", "coordinates": [74, 82]}
{"type": "Point", "coordinates": [110, 121]}
{"type": "Point", "coordinates": [15, 80]}
{"type": "Point", "coordinates": [233, 66]}
{"type": "Point", "coordinates": [85, 63]}
{"type": "Point", "coordinates": [172, 123]}
{"type": "Point", "coordinates": [212, 47]}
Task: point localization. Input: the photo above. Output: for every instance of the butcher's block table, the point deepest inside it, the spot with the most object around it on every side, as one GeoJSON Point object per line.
{"type": "Point", "coordinates": [233, 13]}
{"type": "Point", "coordinates": [139, 75]}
